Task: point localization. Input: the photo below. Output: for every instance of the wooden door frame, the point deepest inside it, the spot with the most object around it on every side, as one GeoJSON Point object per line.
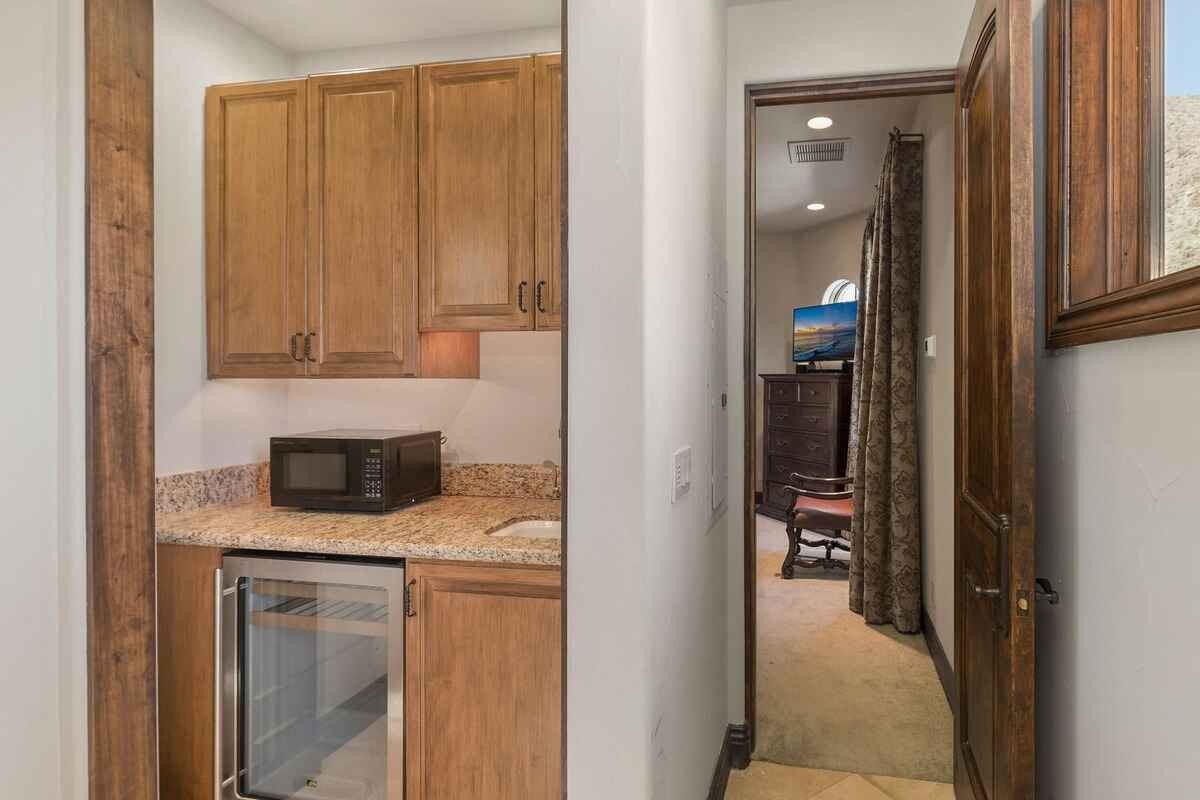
{"type": "Point", "coordinates": [119, 252]}
{"type": "Point", "coordinates": [764, 95]}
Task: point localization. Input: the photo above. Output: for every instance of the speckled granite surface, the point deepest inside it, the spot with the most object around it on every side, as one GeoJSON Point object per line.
{"type": "Point", "coordinates": [447, 527]}
{"type": "Point", "coordinates": [501, 480]}
{"type": "Point", "coordinates": [190, 490]}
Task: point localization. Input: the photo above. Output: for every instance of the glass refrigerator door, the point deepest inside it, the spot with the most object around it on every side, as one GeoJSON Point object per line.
{"type": "Point", "coordinates": [314, 690]}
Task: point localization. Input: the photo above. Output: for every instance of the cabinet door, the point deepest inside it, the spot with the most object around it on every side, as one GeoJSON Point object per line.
{"type": "Point", "coordinates": [483, 676]}
{"type": "Point", "coordinates": [477, 194]}
{"type": "Point", "coordinates": [254, 197]}
{"type": "Point", "coordinates": [549, 157]}
{"type": "Point", "coordinates": [362, 265]}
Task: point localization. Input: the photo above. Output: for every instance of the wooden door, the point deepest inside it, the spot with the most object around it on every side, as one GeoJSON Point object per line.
{"type": "Point", "coordinates": [549, 158]}
{"type": "Point", "coordinates": [477, 197]}
{"type": "Point", "coordinates": [483, 683]}
{"type": "Point", "coordinates": [254, 207]}
{"type": "Point", "coordinates": [362, 246]}
{"type": "Point", "coordinates": [994, 407]}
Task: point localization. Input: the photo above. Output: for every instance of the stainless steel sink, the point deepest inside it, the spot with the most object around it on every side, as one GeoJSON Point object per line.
{"type": "Point", "coordinates": [532, 529]}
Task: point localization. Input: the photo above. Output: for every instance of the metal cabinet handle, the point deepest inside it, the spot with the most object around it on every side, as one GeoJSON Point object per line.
{"type": "Point", "coordinates": [296, 347]}
{"type": "Point", "coordinates": [541, 285]}
{"type": "Point", "coordinates": [308, 346]}
{"type": "Point", "coordinates": [521, 296]}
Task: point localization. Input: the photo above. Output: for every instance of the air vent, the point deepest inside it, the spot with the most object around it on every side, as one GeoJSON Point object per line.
{"type": "Point", "coordinates": [809, 151]}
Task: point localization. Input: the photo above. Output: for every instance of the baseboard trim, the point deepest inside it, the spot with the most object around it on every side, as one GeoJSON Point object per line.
{"type": "Point", "coordinates": [940, 662]}
{"type": "Point", "coordinates": [735, 754]}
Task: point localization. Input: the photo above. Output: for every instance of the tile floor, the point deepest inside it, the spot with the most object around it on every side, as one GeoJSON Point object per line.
{"type": "Point", "coordinates": [763, 780]}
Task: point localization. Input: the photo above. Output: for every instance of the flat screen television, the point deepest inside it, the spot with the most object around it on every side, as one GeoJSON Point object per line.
{"type": "Point", "coordinates": [824, 333]}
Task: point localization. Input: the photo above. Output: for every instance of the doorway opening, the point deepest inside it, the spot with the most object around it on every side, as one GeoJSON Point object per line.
{"type": "Point", "coordinates": [833, 693]}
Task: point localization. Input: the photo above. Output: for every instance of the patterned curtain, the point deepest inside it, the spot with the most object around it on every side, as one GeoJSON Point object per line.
{"type": "Point", "coordinates": [885, 555]}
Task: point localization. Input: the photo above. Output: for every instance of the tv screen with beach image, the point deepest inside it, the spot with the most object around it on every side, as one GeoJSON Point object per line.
{"type": "Point", "coordinates": [824, 333]}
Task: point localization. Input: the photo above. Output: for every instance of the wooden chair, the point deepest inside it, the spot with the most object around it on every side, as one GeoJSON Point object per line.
{"type": "Point", "coordinates": [824, 511]}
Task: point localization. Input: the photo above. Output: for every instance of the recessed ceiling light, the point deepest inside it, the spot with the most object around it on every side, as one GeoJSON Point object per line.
{"type": "Point", "coordinates": [820, 123]}
{"type": "Point", "coordinates": [815, 206]}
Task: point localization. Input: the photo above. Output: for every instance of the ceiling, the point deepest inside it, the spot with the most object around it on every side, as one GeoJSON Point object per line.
{"type": "Point", "coordinates": [306, 25]}
{"type": "Point", "coordinates": [845, 187]}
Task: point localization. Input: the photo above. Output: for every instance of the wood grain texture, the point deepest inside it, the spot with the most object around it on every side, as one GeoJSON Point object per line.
{"type": "Point", "coordinates": [362, 224]}
{"type": "Point", "coordinates": [187, 675]}
{"type": "Point", "coordinates": [483, 680]}
{"type": "Point", "coordinates": [477, 195]}
{"type": "Point", "coordinates": [994, 435]}
{"type": "Point", "coordinates": [119, 63]}
{"type": "Point", "coordinates": [254, 229]}
{"type": "Point", "coordinates": [548, 163]}
{"type": "Point", "coordinates": [449, 354]}
{"type": "Point", "coordinates": [1104, 195]}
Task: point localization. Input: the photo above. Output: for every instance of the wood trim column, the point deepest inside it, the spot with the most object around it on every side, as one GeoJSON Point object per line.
{"type": "Point", "coordinates": [122, 746]}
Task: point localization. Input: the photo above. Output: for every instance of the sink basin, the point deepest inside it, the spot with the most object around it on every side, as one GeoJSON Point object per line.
{"type": "Point", "coordinates": [532, 529]}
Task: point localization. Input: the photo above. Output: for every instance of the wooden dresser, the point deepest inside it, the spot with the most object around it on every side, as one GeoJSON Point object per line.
{"type": "Point", "coordinates": [806, 428]}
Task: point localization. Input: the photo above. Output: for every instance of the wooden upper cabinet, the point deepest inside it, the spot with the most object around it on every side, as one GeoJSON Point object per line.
{"type": "Point", "coordinates": [477, 195]}
{"type": "Point", "coordinates": [255, 151]}
{"type": "Point", "coordinates": [548, 167]}
{"type": "Point", "coordinates": [362, 224]}
{"type": "Point", "coordinates": [483, 682]}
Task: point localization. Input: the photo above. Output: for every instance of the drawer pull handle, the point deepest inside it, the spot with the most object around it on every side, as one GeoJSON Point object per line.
{"type": "Point", "coordinates": [812, 448]}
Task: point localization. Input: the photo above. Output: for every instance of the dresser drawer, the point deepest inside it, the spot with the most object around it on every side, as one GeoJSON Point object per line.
{"type": "Point", "coordinates": [775, 495]}
{"type": "Point", "coordinates": [798, 418]}
{"type": "Point", "coordinates": [815, 392]}
{"type": "Point", "coordinates": [780, 468]}
{"type": "Point", "coordinates": [805, 446]}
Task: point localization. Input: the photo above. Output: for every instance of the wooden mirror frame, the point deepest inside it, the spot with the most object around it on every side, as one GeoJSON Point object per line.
{"type": "Point", "coordinates": [1103, 226]}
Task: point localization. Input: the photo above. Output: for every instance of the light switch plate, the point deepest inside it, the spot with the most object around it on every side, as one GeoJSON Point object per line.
{"type": "Point", "coordinates": [931, 347]}
{"type": "Point", "coordinates": [681, 473]}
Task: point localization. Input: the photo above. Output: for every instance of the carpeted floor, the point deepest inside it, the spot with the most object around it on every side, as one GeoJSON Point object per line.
{"type": "Point", "coordinates": [835, 693]}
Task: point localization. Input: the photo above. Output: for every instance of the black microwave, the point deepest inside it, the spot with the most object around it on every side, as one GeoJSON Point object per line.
{"type": "Point", "coordinates": [355, 470]}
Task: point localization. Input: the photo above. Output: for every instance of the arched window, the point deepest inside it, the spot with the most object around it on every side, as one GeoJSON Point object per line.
{"type": "Point", "coordinates": [840, 291]}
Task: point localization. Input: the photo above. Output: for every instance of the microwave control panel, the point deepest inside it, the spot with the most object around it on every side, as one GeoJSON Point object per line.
{"type": "Point", "coordinates": [373, 474]}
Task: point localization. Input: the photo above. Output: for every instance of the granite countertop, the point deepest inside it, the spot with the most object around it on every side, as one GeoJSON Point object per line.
{"type": "Point", "coordinates": [453, 528]}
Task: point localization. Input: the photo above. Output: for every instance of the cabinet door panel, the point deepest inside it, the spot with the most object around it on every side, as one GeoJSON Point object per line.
{"type": "Point", "coordinates": [548, 139]}
{"type": "Point", "coordinates": [483, 683]}
{"type": "Point", "coordinates": [476, 201]}
{"type": "Point", "coordinates": [362, 171]}
{"type": "Point", "coordinates": [254, 150]}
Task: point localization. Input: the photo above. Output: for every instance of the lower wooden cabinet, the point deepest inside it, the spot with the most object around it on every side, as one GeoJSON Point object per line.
{"type": "Point", "coordinates": [186, 671]}
{"type": "Point", "coordinates": [483, 679]}
{"type": "Point", "coordinates": [483, 682]}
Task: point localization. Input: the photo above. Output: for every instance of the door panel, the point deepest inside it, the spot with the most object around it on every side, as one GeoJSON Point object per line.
{"type": "Point", "coordinates": [548, 139]}
{"type": "Point", "coordinates": [362, 171]}
{"type": "Point", "coordinates": [254, 152]}
{"type": "Point", "coordinates": [483, 683]}
{"type": "Point", "coordinates": [994, 437]}
{"type": "Point", "coordinates": [477, 195]}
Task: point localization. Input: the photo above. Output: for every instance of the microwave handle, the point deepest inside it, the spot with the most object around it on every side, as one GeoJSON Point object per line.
{"type": "Point", "coordinates": [225, 688]}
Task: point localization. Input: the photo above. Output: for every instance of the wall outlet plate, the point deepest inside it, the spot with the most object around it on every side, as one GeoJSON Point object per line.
{"type": "Point", "coordinates": [681, 473]}
{"type": "Point", "coordinates": [931, 347]}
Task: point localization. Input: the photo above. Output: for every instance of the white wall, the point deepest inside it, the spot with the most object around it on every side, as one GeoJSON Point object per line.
{"type": "Point", "coordinates": [198, 423]}
{"type": "Point", "coordinates": [935, 390]}
{"type": "Point", "coordinates": [791, 40]}
{"type": "Point", "coordinates": [43, 747]}
{"type": "Point", "coordinates": [484, 45]}
{"type": "Point", "coordinates": [1118, 479]}
{"type": "Point", "coordinates": [792, 270]}
{"type": "Point", "coordinates": [510, 414]}
{"type": "Point", "coordinates": [646, 666]}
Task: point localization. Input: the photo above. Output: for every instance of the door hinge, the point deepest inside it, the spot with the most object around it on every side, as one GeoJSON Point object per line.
{"type": "Point", "coordinates": [409, 609]}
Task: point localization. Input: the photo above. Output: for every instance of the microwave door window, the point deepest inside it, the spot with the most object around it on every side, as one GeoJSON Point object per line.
{"type": "Point", "coordinates": [318, 473]}
{"type": "Point", "coordinates": [314, 680]}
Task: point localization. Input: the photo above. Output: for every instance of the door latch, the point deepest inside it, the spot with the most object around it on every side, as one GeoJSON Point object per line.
{"type": "Point", "coordinates": [1045, 591]}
